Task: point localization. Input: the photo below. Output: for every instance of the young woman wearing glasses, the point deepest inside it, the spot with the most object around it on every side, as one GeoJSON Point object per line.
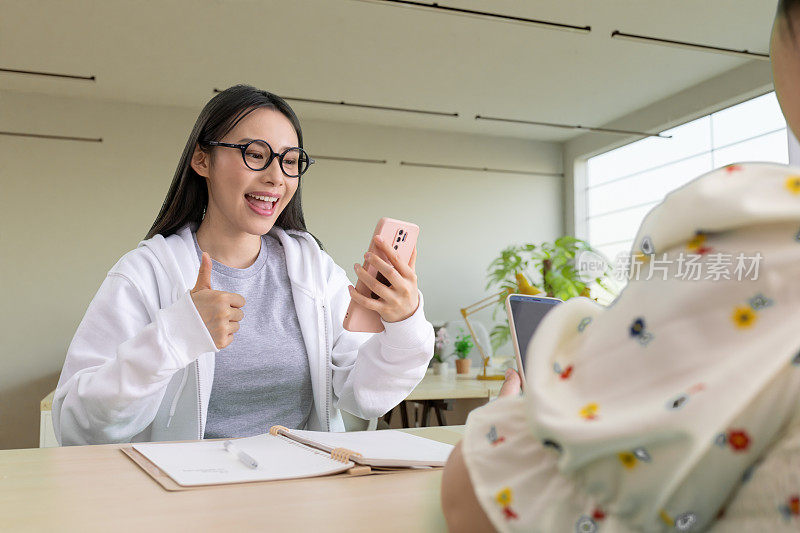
{"type": "Point", "coordinates": [227, 318]}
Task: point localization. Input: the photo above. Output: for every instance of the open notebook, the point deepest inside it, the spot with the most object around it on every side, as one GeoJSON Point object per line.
{"type": "Point", "coordinates": [290, 454]}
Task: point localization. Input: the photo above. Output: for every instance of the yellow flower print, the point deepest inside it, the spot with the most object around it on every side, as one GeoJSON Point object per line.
{"type": "Point", "coordinates": [743, 317]}
{"type": "Point", "coordinates": [504, 497]}
{"type": "Point", "coordinates": [696, 242]}
{"type": "Point", "coordinates": [628, 459]}
{"type": "Point", "coordinates": [589, 411]}
{"type": "Point", "coordinates": [793, 184]}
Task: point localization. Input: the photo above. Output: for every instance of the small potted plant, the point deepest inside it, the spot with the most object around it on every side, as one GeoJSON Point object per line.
{"type": "Point", "coordinates": [439, 359]}
{"type": "Point", "coordinates": [463, 347]}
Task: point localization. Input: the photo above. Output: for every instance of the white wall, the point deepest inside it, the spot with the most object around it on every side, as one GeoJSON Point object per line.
{"type": "Point", "coordinates": [466, 217]}
{"type": "Point", "coordinates": [69, 210]}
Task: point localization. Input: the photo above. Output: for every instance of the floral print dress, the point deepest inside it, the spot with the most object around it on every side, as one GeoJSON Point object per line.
{"type": "Point", "coordinates": [677, 407]}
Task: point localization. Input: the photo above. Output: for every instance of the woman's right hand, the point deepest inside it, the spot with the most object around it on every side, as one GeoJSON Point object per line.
{"type": "Point", "coordinates": [220, 310]}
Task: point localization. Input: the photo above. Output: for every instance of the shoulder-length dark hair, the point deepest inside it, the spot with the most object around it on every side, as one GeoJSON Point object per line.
{"type": "Point", "coordinates": [187, 197]}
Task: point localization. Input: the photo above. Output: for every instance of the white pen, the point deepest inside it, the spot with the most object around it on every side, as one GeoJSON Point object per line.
{"type": "Point", "coordinates": [243, 457]}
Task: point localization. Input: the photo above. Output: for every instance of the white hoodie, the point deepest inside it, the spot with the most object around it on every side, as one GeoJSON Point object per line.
{"type": "Point", "coordinates": [141, 364]}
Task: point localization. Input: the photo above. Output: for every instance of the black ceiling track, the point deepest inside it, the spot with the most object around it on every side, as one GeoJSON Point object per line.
{"type": "Point", "coordinates": [435, 6]}
{"type": "Point", "coordinates": [483, 169]}
{"type": "Point", "coordinates": [52, 137]}
{"type": "Point", "coordinates": [616, 34]}
{"type": "Point", "coordinates": [365, 106]}
{"type": "Point", "coordinates": [573, 127]}
{"type": "Point", "coordinates": [48, 74]}
{"type": "Point", "coordinates": [350, 159]}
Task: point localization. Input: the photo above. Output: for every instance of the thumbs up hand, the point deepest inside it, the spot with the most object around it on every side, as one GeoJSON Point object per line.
{"type": "Point", "coordinates": [220, 310]}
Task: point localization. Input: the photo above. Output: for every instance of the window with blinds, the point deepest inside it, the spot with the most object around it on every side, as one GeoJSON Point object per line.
{"type": "Point", "coordinates": [623, 185]}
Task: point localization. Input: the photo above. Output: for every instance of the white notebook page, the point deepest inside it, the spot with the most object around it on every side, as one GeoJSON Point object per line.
{"type": "Point", "coordinates": [209, 463]}
{"type": "Point", "coordinates": [383, 448]}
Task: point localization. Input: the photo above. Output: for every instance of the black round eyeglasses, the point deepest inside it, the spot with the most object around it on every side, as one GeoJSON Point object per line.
{"type": "Point", "coordinates": [258, 154]}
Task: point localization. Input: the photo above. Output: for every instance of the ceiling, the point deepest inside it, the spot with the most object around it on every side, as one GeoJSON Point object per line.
{"type": "Point", "coordinates": [176, 52]}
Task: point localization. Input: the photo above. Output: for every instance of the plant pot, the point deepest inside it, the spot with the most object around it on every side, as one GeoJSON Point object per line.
{"type": "Point", "coordinates": [439, 368]}
{"type": "Point", "coordinates": [462, 366]}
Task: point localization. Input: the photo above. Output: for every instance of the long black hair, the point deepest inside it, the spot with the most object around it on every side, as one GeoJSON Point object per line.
{"type": "Point", "coordinates": [187, 198]}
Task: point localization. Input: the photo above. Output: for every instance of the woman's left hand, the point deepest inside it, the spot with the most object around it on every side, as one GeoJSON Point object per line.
{"type": "Point", "coordinates": [397, 301]}
{"type": "Point", "coordinates": [512, 386]}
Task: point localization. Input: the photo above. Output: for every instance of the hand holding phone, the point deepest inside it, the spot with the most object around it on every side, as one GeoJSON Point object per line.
{"type": "Point", "coordinates": [387, 283]}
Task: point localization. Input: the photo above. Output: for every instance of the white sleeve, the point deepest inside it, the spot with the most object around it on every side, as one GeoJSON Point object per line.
{"type": "Point", "coordinates": [119, 363]}
{"type": "Point", "coordinates": [373, 372]}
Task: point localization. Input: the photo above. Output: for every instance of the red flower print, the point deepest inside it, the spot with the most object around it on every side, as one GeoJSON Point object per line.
{"type": "Point", "coordinates": [704, 250]}
{"type": "Point", "coordinates": [697, 244]}
{"type": "Point", "coordinates": [566, 373]}
{"type": "Point", "coordinates": [494, 439]}
{"type": "Point", "coordinates": [733, 168]}
{"type": "Point", "coordinates": [739, 440]}
{"type": "Point", "coordinates": [598, 514]}
{"type": "Point", "coordinates": [509, 513]}
{"type": "Point", "coordinates": [791, 508]}
{"type": "Point", "coordinates": [697, 388]}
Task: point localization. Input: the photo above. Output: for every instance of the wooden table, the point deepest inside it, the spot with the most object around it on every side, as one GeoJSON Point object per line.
{"type": "Point", "coordinates": [47, 436]}
{"type": "Point", "coordinates": [451, 387]}
{"type": "Point", "coordinates": [98, 488]}
{"type": "Point", "coordinates": [435, 393]}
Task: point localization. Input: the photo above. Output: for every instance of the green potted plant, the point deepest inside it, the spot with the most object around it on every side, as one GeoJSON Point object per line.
{"type": "Point", "coordinates": [463, 347]}
{"type": "Point", "coordinates": [547, 268]}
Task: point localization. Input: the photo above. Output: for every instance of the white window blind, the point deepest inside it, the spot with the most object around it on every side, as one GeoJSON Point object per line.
{"type": "Point", "coordinates": [623, 185]}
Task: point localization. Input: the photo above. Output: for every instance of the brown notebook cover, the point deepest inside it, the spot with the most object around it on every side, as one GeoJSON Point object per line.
{"type": "Point", "coordinates": [169, 484]}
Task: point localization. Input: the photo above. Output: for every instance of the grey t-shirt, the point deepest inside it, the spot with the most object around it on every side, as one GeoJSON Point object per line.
{"type": "Point", "coordinates": [262, 377]}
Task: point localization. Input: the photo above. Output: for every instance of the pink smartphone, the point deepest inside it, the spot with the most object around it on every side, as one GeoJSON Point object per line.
{"type": "Point", "coordinates": [402, 237]}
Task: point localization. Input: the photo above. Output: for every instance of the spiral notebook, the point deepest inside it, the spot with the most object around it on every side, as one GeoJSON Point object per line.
{"type": "Point", "coordinates": [286, 454]}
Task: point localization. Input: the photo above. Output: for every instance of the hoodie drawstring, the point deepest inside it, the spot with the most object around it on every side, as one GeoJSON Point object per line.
{"type": "Point", "coordinates": [174, 405]}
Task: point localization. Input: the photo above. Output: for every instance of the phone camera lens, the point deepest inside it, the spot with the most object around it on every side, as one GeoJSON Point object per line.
{"type": "Point", "coordinates": [395, 247]}
{"type": "Point", "coordinates": [401, 232]}
{"type": "Point", "coordinates": [398, 239]}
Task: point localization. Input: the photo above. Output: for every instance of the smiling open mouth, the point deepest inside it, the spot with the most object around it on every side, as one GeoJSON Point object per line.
{"type": "Point", "coordinates": [263, 205]}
